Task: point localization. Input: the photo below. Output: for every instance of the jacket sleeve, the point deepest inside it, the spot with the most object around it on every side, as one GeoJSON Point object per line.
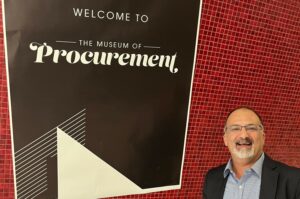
{"type": "Point", "coordinates": [204, 192]}
{"type": "Point", "coordinates": [298, 190]}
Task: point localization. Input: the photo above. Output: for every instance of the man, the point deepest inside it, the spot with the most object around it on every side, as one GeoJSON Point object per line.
{"type": "Point", "coordinates": [250, 173]}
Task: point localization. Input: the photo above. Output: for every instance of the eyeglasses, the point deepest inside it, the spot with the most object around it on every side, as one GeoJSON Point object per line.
{"type": "Point", "coordinates": [250, 128]}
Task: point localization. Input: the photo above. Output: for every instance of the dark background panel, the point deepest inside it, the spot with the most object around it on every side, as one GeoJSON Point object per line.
{"type": "Point", "coordinates": [123, 102]}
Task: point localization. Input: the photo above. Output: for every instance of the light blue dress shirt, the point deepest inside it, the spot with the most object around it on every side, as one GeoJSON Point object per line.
{"type": "Point", "coordinates": [248, 186]}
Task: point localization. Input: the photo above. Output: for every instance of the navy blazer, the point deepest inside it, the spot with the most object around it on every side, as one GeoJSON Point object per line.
{"type": "Point", "coordinates": [278, 181]}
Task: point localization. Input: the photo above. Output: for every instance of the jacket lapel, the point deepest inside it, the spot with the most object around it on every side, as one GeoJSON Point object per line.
{"type": "Point", "coordinates": [219, 187]}
{"type": "Point", "coordinates": [269, 179]}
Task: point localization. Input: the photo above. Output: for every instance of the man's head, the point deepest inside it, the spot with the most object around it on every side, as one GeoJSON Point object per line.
{"type": "Point", "coordinates": [244, 134]}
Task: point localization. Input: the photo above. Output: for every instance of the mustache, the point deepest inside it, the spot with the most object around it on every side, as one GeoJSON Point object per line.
{"type": "Point", "coordinates": [246, 140]}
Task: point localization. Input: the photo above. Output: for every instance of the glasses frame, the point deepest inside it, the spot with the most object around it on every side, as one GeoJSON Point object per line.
{"type": "Point", "coordinates": [244, 126]}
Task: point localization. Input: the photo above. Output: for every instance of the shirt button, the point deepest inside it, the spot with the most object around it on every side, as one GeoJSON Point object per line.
{"type": "Point", "coordinates": [240, 186]}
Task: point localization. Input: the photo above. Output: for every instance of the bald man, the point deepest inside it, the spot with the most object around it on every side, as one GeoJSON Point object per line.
{"type": "Point", "coordinates": [250, 173]}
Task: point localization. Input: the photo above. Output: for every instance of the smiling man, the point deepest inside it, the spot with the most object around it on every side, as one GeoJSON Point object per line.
{"type": "Point", "coordinates": [250, 173]}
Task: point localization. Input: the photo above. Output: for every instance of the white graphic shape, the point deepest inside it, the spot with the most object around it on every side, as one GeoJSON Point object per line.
{"type": "Point", "coordinates": [30, 161]}
{"type": "Point", "coordinates": [82, 174]}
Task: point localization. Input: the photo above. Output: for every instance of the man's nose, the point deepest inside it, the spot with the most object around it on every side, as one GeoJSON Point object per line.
{"type": "Point", "coordinates": [244, 133]}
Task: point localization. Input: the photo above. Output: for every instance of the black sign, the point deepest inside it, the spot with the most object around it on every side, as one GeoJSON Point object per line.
{"type": "Point", "coordinates": [99, 91]}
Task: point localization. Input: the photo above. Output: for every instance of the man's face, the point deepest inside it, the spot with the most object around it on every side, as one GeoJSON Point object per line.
{"type": "Point", "coordinates": [242, 144]}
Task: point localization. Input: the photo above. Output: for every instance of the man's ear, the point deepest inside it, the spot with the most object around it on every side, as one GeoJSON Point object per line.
{"type": "Point", "coordinates": [225, 140]}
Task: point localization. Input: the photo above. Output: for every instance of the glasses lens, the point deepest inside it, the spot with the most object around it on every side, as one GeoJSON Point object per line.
{"type": "Point", "coordinates": [234, 128]}
{"type": "Point", "coordinates": [252, 128]}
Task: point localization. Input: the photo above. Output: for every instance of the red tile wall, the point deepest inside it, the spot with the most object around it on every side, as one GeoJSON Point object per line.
{"type": "Point", "coordinates": [248, 54]}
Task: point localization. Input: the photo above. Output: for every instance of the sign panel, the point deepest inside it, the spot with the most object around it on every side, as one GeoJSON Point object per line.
{"type": "Point", "coordinates": [99, 94]}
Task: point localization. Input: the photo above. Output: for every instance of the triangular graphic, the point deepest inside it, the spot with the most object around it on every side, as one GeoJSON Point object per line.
{"type": "Point", "coordinates": [82, 174]}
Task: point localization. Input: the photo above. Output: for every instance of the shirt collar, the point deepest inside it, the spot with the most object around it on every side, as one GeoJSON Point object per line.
{"type": "Point", "coordinates": [257, 167]}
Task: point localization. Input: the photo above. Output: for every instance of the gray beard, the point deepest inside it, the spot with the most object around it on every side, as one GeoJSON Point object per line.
{"type": "Point", "coordinates": [244, 153]}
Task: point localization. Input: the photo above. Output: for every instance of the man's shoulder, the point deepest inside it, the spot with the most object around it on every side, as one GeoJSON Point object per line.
{"type": "Point", "coordinates": [214, 182]}
{"type": "Point", "coordinates": [286, 168]}
{"type": "Point", "coordinates": [280, 178]}
{"type": "Point", "coordinates": [216, 171]}
{"type": "Point", "coordinates": [288, 171]}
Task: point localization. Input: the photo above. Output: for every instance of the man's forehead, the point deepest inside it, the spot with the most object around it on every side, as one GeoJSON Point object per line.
{"type": "Point", "coordinates": [244, 116]}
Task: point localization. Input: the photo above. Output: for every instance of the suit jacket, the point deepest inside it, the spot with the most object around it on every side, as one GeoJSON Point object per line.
{"type": "Point", "coordinates": [278, 181]}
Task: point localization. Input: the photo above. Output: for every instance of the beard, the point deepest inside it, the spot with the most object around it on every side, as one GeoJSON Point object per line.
{"type": "Point", "coordinates": [244, 153]}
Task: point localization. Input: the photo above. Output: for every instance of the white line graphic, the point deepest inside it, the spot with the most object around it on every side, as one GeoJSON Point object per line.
{"type": "Point", "coordinates": [54, 129]}
{"type": "Point", "coordinates": [151, 47]}
{"type": "Point", "coordinates": [63, 127]}
{"type": "Point", "coordinates": [68, 42]}
{"type": "Point", "coordinates": [44, 181]}
{"type": "Point", "coordinates": [31, 160]}
{"type": "Point", "coordinates": [20, 174]}
{"type": "Point", "coordinates": [75, 135]}
{"type": "Point", "coordinates": [75, 124]}
{"type": "Point", "coordinates": [38, 193]}
{"type": "Point", "coordinates": [71, 132]}
{"type": "Point", "coordinates": [34, 150]}
{"type": "Point", "coordinates": [38, 175]}
{"type": "Point", "coordinates": [79, 137]}
{"type": "Point", "coordinates": [41, 175]}
{"type": "Point", "coordinates": [43, 187]}
{"type": "Point", "coordinates": [53, 139]}
{"type": "Point", "coordinates": [36, 143]}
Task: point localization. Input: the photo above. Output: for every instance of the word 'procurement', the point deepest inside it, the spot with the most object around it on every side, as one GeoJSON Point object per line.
{"type": "Point", "coordinates": [44, 52]}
